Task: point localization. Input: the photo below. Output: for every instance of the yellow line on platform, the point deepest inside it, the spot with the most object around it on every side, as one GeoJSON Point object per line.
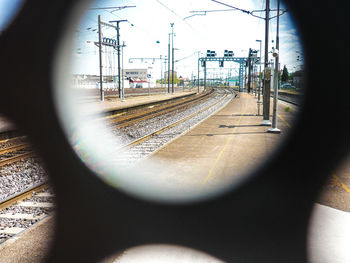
{"type": "Point", "coordinates": [341, 183]}
{"type": "Point", "coordinates": [223, 150]}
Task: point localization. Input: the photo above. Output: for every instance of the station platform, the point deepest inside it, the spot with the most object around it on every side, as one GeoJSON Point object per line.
{"type": "Point", "coordinates": [130, 102]}
{"type": "Point", "coordinates": [219, 150]}
{"type": "Point", "coordinates": [232, 139]}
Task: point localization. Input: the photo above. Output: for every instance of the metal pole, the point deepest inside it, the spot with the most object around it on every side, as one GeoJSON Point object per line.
{"type": "Point", "coordinates": [267, 81]}
{"type": "Point", "coordinates": [118, 51]}
{"type": "Point", "coordinates": [260, 76]}
{"type": "Point", "coordinates": [274, 128]}
{"type": "Point", "coordinates": [205, 74]}
{"type": "Point", "coordinates": [169, 64]}
{"type": "Point", "coordinates": [100, 56]}
{"type": "Point", "coordinates": [245, 76]}
{"type": "Point", "coordinates": [165, 89]}
{"type": "Point", "coordinates": [123, 95]}
{"type": "Point", "coordinates": [172, 44]}
{"type": "Point", "coordinates": [256, 79]}
{"type": "Point", "coordinates": [161, 72]}
{"type": "Point", "coordinates": [249, 70]}
{"type": "Point", "coordinates": [198, 73]}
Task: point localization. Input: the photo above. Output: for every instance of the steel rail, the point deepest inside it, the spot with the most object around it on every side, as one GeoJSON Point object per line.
{"type": "Point", "coordinates": [16, 158]}
{"type": "Point", "coordinates": [128, 120]}
{"type": "Point", "coordinates": [147, 137]}
{"type": "Point", "coordinates": [157, 113]}
{"type": "Point", "coordinates": [22, 195]}
{"type": "Point", "coordinates": [14, 148]}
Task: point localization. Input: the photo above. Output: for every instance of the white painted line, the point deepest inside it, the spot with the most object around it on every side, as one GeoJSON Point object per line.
{"type": "Point", "coordinates": [35, 204]}
{"type": "Point", "coordinates": [11, 230]}
{"type": "Point", "coordinates": [45, 195]}
{"type": "Point", "coordinates": [21, 216]}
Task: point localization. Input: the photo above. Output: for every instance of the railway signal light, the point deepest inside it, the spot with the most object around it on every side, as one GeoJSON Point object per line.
{"type": "Point", "coordinates": [211, 53]}
{"type": "Point", "coordinates": [228, 53]}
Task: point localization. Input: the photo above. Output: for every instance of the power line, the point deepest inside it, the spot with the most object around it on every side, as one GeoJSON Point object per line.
{"type": "Point", "coordinates": [182, 19]}
{"type": "Point", "coordinates": [236, 8]}
{"type": "Point", "coordinates": [116, 8]}
{"type": "Point", "coordinates": [251, 12]}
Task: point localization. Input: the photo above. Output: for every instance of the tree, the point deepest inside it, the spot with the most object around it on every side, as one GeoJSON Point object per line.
{"type": "Point", "coordinates": [285, 74]}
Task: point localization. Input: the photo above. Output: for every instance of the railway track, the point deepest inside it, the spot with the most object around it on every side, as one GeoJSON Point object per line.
{"type": "Point", "coordinates": [292, 98]}
{"type": "Point", "coordinates": [15, 153]}
{"type": "Point", "coordinates": [23, 210]}
{"type": "Point", "coordinates": [154, 111]}
{"type": "Point", "coordinates": [142, 147]}
{"type": "Point", "coordinates": [24, 195]}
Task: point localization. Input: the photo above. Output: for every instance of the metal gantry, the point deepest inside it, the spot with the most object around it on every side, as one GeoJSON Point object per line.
{"type": "Point", "coordinates": [240, 60]}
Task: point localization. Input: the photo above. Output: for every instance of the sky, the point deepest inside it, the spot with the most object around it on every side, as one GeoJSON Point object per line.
{"type": "Point", "coordinates": [8, 10]}
{"type": "Point", "coordinates": [149, 22]}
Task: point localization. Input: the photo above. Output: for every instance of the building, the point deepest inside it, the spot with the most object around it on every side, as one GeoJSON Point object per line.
{"type": "Point", "coordinates": [166, 75]}
{"type": "Point", "coordinates": [136, 74]}
{"type": "Point", "coordinates": [85, 81]}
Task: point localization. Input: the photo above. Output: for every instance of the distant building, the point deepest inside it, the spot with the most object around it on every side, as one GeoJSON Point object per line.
{"type": "Point", "coordinates": [136, 74]}
{"type": "Point", "coordinates": [298, 79]}
{"type": "Point", "coordinates": [166, 73]}
{"type": "Point", "coordinates": [139, 78]}
{"type": "Point", "coordinates": [84, 81]}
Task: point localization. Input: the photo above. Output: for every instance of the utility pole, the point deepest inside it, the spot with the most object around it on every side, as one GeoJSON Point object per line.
{"type": "Point", "coordinates": [122, 73]}
{"type": "Point", "coordinates": [172, 57]}
{"type": "Point", "coordinates": [100, 56]}
{"type": "Point", "coordinates": [245, 75]}
{"type": "Point", "coordinates": [169, 64]}
{"type": "Point", "coordinates": [118, 52]}
{"type": "Point", "coordinates": [274, 128]}
{"type": "Point", "coordinates": [267, 76]}
{"type": "Point", "coordinates": [165, 89]}
{"type": "Point", "coordinates": [249, 70]}
{"type": "Point", "coordinates": [205, 74]}
{"type": "Point", "coordinates": [198, 71]}
{"type": "Point", "coordinates": [161, 72]}
{"type": "Point", "coordinates": [260, 75]}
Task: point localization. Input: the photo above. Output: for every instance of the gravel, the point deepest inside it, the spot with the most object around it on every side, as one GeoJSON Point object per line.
{"type": "Point", "coordinates": [22, 223]}
{"type": "Point", "coordinates": [36, 211]}
{"type": "Point", "coordinates": [18, 176]}
{"type": "Point", "coordinates": [142, 150]}
{"type": "Point", "coordinates": [145, 127]}
{"type": "Point", "coordinates": [4, 237]}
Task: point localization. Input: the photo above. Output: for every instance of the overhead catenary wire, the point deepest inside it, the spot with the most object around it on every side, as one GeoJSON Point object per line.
{"type": "Point", "coordinates": [233, 7]}
{"type": "Point", "coordinates": [181, 18]}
